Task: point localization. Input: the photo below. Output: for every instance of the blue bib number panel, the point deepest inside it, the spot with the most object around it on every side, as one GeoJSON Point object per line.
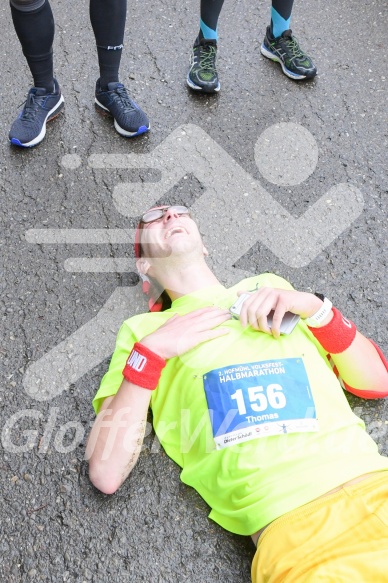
{"type": "Point", "coordinates": [258, 399]}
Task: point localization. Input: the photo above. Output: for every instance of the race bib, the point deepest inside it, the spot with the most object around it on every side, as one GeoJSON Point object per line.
{"type": "Point", "coordinates": [258, 399]}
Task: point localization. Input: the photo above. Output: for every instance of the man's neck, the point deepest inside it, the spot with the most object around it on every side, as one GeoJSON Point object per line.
{"type": "Point", "coordinates": [187, 278]}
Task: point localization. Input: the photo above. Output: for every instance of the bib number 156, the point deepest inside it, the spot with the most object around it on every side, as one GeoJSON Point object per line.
{"type": "Point", "coordinates": [259, 398]}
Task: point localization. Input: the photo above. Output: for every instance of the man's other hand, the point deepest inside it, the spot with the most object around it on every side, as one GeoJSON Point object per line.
{"type": "Point", "coordinates": [182, 333]}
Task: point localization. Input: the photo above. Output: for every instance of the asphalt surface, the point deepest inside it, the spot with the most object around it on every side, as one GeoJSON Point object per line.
{"type": "Point", "coordinates": [66, 285]}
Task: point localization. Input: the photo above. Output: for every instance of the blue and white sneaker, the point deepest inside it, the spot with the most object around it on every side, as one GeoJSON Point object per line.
{"type": "Point", "coordinates": [129, 119]}
{"type": "Point", "coordinates": [285, 50]}
{"type": "Point", "coordinates": [40, 107]}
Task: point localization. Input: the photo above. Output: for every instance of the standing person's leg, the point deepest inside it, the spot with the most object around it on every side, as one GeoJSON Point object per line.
{"type": "Point", "coordinates": [34, 25]}
{"type": "Point", "coordinates": [279, 45]}
{"type": "Point", "coordinates": [108, 22]}
{"type": "Point", "coordinates": [203, 75]}
{"type": "Point", "coordinates": [280, 16]}
{"type": "Point", "coordinates": [209, 15]}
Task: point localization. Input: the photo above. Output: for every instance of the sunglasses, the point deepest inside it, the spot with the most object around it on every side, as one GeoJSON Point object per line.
{"type": "Point", "coordinates": [157, 214]}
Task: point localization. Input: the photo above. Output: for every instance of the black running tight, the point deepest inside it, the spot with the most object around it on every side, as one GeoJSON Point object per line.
{"type": "Point", "coordinates": [34, 25]}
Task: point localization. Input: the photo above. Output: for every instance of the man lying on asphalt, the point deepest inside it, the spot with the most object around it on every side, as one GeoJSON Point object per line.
{"type": "Point", "coordinates": [257, 419]}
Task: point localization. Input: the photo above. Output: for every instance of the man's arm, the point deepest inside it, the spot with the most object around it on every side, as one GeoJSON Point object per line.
{"type": "Point", "coordinates": [361, 366]}
{"type": "Point", "coordinates": [362, 369]}
{"type": "Point", "coordinates": [115, 441]}
{"type": "Point", "coordinates": [116, 437]}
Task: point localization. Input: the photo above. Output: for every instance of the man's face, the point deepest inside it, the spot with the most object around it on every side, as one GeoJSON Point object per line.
{"type": "Point", "coordinates": [173, 234]}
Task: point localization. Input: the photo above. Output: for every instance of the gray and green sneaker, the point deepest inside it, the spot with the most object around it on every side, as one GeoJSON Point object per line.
{"type": "Point", "coordinates": [285, 50]}
{"type": "Point", "coordinates": [202, 75]}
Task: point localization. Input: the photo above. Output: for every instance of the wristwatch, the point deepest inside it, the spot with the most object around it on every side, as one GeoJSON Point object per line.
{"type": "Point", "coordinates": [316, 319]}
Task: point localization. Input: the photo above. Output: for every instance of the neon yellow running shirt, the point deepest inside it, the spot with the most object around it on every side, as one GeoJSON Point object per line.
{"type": "Point", "coordinates": [286, 433]}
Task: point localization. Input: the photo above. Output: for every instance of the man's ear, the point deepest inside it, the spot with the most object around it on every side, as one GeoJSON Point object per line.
{"type": "Point", "coordinates": [142, 266]}
{"type": "Point", "coordinates": [205, 251]}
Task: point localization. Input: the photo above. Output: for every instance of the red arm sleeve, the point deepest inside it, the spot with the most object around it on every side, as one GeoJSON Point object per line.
{"type": "Point", "coordinates": [367, 394]}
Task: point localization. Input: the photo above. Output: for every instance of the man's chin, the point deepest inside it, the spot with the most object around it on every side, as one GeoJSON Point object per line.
{"type": "Point", "coordinates": [179, 247]}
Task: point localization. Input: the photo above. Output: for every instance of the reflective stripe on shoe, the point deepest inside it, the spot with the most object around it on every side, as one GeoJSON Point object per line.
{"type": "Point", "coordinates": [270, 55]}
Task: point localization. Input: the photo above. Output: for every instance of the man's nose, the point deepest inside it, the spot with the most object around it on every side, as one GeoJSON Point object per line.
{"type": "Point", "coordinates": [170, 214]}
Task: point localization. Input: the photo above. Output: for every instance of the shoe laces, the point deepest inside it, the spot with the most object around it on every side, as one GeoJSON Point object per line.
{"type": "Point", "coordinates": [123, 96]}
{"type": "Point", "coordinates": [292, 44]}
{"type": "Point", "coordinates": [31, 105]}
{"type": "Point", "coordinates": [207, 57]}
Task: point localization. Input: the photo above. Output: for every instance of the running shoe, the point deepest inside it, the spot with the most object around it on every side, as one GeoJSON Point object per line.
{"type": "Point", "coordinates": [29, 128]}
{"type": "Point", "coordinates": [285, 50]}
{"type": "Point", "coordinates": [129, 119]}
{"type": "Point", "coordinates": [202, 75]}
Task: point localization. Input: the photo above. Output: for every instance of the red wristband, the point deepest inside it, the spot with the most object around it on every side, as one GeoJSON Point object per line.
{"type": "Point", "coordinates": [337, 335]}
{"type": "Point", "coordinates": [143, 367]}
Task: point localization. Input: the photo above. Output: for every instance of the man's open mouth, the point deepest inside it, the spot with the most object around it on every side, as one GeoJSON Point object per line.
{"type": "Point", "coordinates": [174, 231]}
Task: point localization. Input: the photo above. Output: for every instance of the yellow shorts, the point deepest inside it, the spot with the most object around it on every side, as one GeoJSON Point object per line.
{"type": "Point", "coordinates": [339, 538]}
